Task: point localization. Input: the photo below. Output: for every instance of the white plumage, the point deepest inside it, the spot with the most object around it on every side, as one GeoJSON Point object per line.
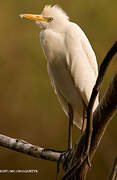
{"type": "Point", "coordinates": [71, 62]}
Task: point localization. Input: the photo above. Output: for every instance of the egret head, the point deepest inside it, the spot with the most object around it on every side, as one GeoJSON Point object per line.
{"type": "Point", "coordinates": [51, 17]}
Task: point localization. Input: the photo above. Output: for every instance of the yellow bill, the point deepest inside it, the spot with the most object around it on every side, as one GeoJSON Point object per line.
{"type": "Point", "coordinates": [36, 17]}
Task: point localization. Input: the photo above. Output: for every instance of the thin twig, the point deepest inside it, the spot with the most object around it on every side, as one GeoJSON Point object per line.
{"type": "Point", "coordinates": [113, 174]}
{"type": "Point", "coordinates": [27, 148]}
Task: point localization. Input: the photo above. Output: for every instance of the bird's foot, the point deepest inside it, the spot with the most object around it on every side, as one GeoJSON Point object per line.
{"type": "Point", "coordinates": [64, 155]}
{"type": "Point", "coordinates": [73, 161]}
{"type": "Point", "coordinates": [67, 158]}
{"type": "Point", "coordinates": [58, 163]}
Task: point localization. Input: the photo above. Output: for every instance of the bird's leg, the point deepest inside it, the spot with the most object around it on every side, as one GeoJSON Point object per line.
{"type": "Point", "coordinates": [84, 127]}
{"type": "Point", "coordinates": [66, 155]}
{"type": "Point", "coordinates": [84, 119]}
{"type": "Point", "coordinates": [70, 112]}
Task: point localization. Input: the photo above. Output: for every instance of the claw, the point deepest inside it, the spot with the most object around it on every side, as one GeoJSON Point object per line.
{"type": "Point", "coordinates": [63, 155]}
{"type": "Point", "coordinates": [67, 158]}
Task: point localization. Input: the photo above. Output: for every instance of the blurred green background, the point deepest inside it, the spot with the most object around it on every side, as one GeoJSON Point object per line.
{"type": "Point", "coordinates": [28, 107]}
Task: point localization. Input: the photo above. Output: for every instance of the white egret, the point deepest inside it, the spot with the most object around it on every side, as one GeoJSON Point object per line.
{"type": "Point", "coordinates": [71, 62]}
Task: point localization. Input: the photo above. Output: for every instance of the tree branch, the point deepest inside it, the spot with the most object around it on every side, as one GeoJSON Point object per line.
{"type": "Point", "coordinates": [29, 149]}
{"type": "Point", "coordinates": [95, 91]}
{"type": "Point", "coordinates": [101, 118]}
{"type": "Point", "coordinates": [78, 163]}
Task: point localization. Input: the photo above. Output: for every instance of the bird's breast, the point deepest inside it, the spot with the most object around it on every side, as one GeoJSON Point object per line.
{"type": "Point", "coordinates": [55, 52]}
{"type": "Point", "coordinates": [52, 45]}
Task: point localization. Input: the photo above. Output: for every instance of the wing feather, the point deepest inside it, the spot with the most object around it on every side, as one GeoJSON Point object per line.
{"type": "Point", "coordinates": [81, 60]}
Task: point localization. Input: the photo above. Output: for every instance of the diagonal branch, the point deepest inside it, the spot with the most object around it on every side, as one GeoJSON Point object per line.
{"type": "Point", "coordinates": [101, 118]}
{"type": "Point", "coordinates": [78, 158]}
{"type": "Point", "coordinates": [95, 91]}
{"type": "Point", "coordinates": [29, 149]}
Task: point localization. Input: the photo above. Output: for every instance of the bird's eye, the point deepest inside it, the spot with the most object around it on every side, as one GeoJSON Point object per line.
{"type": "Point", "coordinates": [50, 19]}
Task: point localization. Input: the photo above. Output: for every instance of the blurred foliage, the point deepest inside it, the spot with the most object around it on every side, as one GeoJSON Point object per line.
{"type": "Point", "coordinates": [28, 107]}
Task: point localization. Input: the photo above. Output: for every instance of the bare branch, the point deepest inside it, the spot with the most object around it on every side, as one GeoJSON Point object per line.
{"type": "Point", "coordinates": [27, 148]}
{"type": "Point", "coordinates": [113, 174]}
